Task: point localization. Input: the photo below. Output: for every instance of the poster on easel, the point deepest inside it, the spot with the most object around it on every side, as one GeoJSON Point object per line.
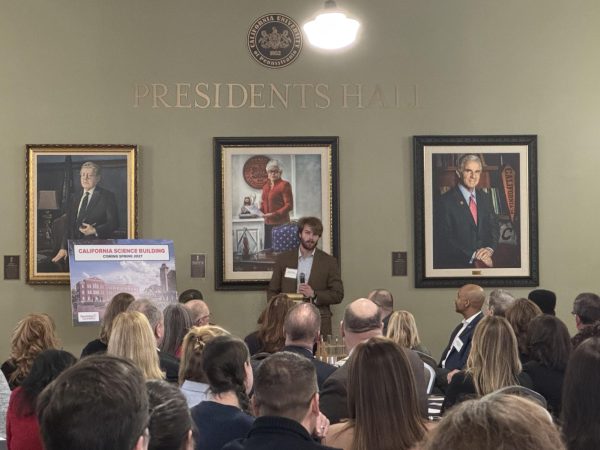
{"type": "Point", "coordinates": [100, 269]}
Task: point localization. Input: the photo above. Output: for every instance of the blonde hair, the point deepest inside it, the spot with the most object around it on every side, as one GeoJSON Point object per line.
{"type": "Point", "coordinates": [493, 362]}
{"type": "Point", "coordinates": [190, 367]}
{"type": "Point", "coordinates": [402, 329]}
{"type": "Point", "coordinates": [132, 338]}
{"type": "Point", "coordinates": [32, 335]}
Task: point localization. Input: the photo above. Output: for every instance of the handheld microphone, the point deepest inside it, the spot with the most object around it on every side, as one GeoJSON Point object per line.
{"type": "Point", "coordinates": [302, 278]}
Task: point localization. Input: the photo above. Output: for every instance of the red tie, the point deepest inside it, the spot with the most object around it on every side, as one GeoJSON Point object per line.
{"type": "Point", "coordinates": [473, 208]}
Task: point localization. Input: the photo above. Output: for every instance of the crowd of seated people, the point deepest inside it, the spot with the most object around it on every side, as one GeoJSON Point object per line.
{"type": "Point", "coordinates": [510, 377]}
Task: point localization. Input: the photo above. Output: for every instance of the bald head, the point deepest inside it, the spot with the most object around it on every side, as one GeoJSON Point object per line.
{"type": "Point", "coordinates": [199, 311]}
{"type": "Point", "coordinates": [362, 321]}
{"type": "Point", "coordinates": [302, 325]}
{"type": "Point", "coordinates": [469, 300]}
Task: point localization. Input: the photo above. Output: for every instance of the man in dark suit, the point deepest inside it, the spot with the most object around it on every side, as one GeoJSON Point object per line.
{"type": "Point", "coordinates": [92, 213]}
{"type": "Point", "coordinates": [309, 271]}
{"type": "Point", "coordinates": [168, 364]}
{"type": "Point", "coordinates": [302, 329]}
{"type": "Point", "coordinates": [286, 403]}
{"type": "Point", "coordinates": [362, 321]}
{"type": "Point", "coordinates": [466, 225]}
{"type": "Point", "coordinates": [468, 303]}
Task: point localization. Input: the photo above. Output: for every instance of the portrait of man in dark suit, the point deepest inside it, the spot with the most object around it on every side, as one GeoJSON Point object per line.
{"type": "Point", "coordinates": [465, 222]}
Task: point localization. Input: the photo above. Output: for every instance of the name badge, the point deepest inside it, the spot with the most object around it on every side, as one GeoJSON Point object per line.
{"type": "Point", "coordinates": [457, 344]}
{"type": "Point", "coordinates": [291, 273]}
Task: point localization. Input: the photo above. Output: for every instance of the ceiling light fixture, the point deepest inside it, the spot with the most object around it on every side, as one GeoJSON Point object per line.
{"type": "Point", "coordinates": [331, 29]}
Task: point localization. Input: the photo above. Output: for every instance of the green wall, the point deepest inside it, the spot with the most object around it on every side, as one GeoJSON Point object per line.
{"type": "Point", "coordinates": [68, 71]}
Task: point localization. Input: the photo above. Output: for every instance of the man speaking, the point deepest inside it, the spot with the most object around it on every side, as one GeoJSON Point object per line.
{"type": "Point", "coordinates": [93, 212]}
{"type": "Point", "coordinates": [310, 272]}
{"type": "Point", "coordinates": [467, 228]}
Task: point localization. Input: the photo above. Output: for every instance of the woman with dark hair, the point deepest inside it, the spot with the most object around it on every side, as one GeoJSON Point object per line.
{"type": "Point", "coordinates": [117, 304]}
{"type": "Point", "coordinates": [581, 397]}
{"type": "Point", "coordinates": [22, 429]}
{"type": "Point", "coordinates": [493, 363]}
{"type": "Point", "coordinates": [178, 321]}
{"type": "Point", "coordinates": [549, 348]}
{"type": "Point", "coordinates": [269, 337]}
{"type": "Point", "coordinates": [223, 417]}
{"type": "Point", "coordinates": [519, 314]}
{"type": "Point", "coordinates": [382, 401]}
{"type": "Point", "coordinates": [170, 423]}
{"type": "Point", "coordinates": [192, 379]}
{"type": "Point", "coordinates": [32, 335]}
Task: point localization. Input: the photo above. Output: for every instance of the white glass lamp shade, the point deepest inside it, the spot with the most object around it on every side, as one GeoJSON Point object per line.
{"type": "Point", "coordinates": [331, 30]}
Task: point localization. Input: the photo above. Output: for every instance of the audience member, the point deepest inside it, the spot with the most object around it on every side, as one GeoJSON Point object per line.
{"type": "Point", "coordinates": [403, 330]}
{"type": "Point", "coordinates": [199, 312]}
{"type": "Point", "coordinates": [192, 379]}
{"type": "Point", "coordinates": [493, 363]}
{"type": "Point", "coordinates": [99, 403]}
{"type": "Point", "coordinates": [385, 300]}
{"type": "Point", "coordinates": [117, 304]}
{"type": "Point", "coordinates": [496, 421]}
{"type": "Point", "coordinates": [22, 429]}
{"type": "Point", "coordinates": [170, 422]}
{"type": "Point", "coordinates": [132, 338]}
{"type": "Point", "coordinates": [4, 398]}
{"type": "Point", "coordinates": [544, 299]}
{"type": "Point", "coordinates": [168, 364]}
{"type": "Point", "coordinates": [32, 335]}
{"type": "Point", "coordinates": [302, 329]}
{"type": "Point", "coordinates": [361, 322]}
{"type": "Point", "coordinates": [223, 417]}
{"type": "Point", "coordinates": [190, 294]}
{"type": "Point", "coordinates": [498, 302]}
{"type": "Point", "coordinates": [586, 333]}
{"type": "Point", "coordinates": [269, 337]}
{"type": "Point", "coordinates": [468, 303]}
{"type": "Point", "coordinates": [286, 401]}
{"type": "Point", "coordinates": [586, 309]}
{"type": "Point", "coordinates": [177, 321]}
{"type": "Point", "coordinates": [519, 315]}
{"type": "Point", "coordinates": [549, 348]}
{"type": "Point", "coordinates": [382, 401]}
{"type": "Point", "coordinates": [581, 397]}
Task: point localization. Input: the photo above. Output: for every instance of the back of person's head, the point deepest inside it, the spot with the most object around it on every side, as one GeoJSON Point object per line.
{"type": "Point", "coordinates": [270, 331]}
{"type": "Point", "coordinates": [581, 397]}
{"type": "Point", "coordinates": [548, 342]}
{"type": "Point", "coordinates": [226, 363]}
{"type": "Point", "coordinates": [190, 294]}
{"type": "Point", "coordinates": [32, 335]}
{"type": "Point", "coordinates": [117, 304]}
{"type": "Point", "coordinates": [199, 312]}
{"type": "Point", "coordinates": [519, 315]}
{"type": "Point", "coordinates": [587, 307]}
{"type": "Point", "coordinates": [495, 421]}
{"type": "Point", "coordinates": [499, 301]}
{"type": "Point", "coordinates": [302, 323]}
{"type": "Point", "coordinates": [132, 338]}
{"type": "Point", "coordinates": [402, 329]}
{"type": "Point", "coordinates": [190, 367]}
{"type": "Point", "coordinates": [382, 298]}
{"type": "Point", "coordinates": [361, 316]}
{"type": "Point", "coordinates": [544, 299]}
{"type": "Point", "coordinates": [493, 361]}
{"type": "Point", "coordinates": [382, 397]}
{"type": "Point", "coordinates": [99, 403]}
{"type": "Point", "coordinates": [45, 368]}
{"type": "Point", "coordinates": [149, 309]}
{"type": "Point", "coordinates": [285, 385]}
{"type": "Point", "coordinates": [170, 422]}
{"type": "Point", "coordinates": [177, 323]}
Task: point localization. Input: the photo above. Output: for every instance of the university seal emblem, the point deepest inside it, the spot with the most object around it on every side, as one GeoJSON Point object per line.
{"type": "Point", "coordinates": [275, 40]}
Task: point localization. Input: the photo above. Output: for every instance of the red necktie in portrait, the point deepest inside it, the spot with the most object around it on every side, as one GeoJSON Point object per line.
{"type": "Point", "coordinates": [473, 208]}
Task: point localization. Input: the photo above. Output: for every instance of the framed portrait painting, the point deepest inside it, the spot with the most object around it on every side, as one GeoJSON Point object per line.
{"type": "Point", "coordinates": [475, 205]}
{"type": "Point", "coordinates": [76, 192]}
{"type": "Point", "coordinates": [263, 186]}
